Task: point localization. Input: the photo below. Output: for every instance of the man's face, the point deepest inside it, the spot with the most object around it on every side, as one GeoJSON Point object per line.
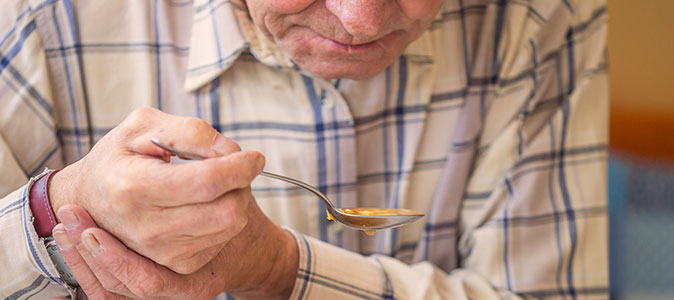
{"type": "Point", "coordinates": [353, 39]}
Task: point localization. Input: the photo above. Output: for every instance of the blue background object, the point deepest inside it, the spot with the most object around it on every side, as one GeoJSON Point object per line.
{"type": "Point", "coordinates": [641, 216]}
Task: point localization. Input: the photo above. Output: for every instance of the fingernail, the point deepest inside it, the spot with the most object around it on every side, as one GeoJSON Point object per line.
{"type": "Point", "coordinates": [68, 218]}
{"type": "Point", "coordinates": [62, 239]}
{"type": "Point", "coordinates": [92, 243]}
{"type": "Point", "coordinates": [220, 144]}
{"type": "Point", "coordinates": [260, 162]}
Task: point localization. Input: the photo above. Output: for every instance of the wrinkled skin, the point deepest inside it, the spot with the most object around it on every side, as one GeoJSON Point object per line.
{"type": "Point", "coordinates": [353, 39]}
{"type": "Point", "coordinates": [186, 231]}
{"type": "Point", "coordinates": [180, 215]}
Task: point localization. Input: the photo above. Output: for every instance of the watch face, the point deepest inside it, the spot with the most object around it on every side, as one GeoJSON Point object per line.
{"type": "Point", "coordinates": [61, 266]}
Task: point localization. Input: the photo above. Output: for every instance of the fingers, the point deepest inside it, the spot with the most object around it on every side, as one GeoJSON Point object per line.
{"type": "Point", "coordinates": [223, 215]}
{"type": "Point", "coordinates": [199, 181]}
{"type": "Point", "coordinates": [85, 277]}
{"type": "Point", "coordinates": [186, 134]}
{"type": "Point", "coordinates": [75, 221]}
{"type": "Point", "coordinates": [185, 241]}
{"type": "Point", "coordinates": [144, 278]}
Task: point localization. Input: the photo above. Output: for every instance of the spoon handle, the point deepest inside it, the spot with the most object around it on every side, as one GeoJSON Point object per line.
{"type": "Point", "coordinates": [266, 174]}
{"type": "Point", "coordinates": [300, 184]}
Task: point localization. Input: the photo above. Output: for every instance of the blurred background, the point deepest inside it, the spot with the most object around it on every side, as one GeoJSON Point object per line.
{"type": "Point", "coordinates": [641, 163]}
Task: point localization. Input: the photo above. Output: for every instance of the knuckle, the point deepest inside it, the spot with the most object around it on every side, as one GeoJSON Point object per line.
{"type": "Point", "coordinates": [115, 287]}
{"type": "Point", "coordinates": [233, 215]}
{"type": "Point", "coordinates": [186, 267]}
{"type": "Point", "coordinates": [139, 115]}
{"type": "Point", "coordinates": [206, 186]}
{"type": "Point", "coordinates": [122, 192]}
{"type": "Point", "coordinates": [144, 111]}
{"type": "Point", "coordinates": [119, 186]}
{"type": "Point", "coordinates": [197, 126]}
{"type": "Point", "coordinates": [164, 256]}
{"type": "Point", "coordinates": [115, 266]}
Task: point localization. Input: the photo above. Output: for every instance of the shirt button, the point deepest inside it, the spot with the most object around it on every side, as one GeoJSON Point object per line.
{"type": "Point", "coordinates": [328, 102]}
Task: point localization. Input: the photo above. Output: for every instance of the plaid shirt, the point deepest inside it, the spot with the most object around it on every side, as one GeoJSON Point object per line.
{"type": "Point", "coordinates": [493, 123]}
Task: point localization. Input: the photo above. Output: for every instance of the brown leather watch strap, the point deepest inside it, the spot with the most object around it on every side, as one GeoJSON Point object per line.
{"type": "Point", "coordinates": [44, 218]}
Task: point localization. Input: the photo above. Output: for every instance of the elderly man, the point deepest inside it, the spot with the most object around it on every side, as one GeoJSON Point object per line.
{"type": "Point", "coordinates": [489, 116]}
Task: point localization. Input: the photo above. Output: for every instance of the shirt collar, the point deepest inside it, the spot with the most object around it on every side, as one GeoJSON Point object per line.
{"type": "Point", "coordinates": [221, 31]}
{"type": "Point", "coordinates": [215, 42]}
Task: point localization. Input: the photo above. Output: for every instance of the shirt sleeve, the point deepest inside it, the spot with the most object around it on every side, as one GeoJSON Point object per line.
{"type": "Point", "coordinates": [28, 144]}
{"type": "Point", "coordinates": [536, 256]}
{"type": "Point", "coordinates": [27, 268]}
{"type": "Point", "coordinates": [329, 272]}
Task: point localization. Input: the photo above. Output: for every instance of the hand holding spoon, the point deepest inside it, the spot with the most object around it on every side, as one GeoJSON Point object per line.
{"type": "Point", "coordinates": [367, 219]}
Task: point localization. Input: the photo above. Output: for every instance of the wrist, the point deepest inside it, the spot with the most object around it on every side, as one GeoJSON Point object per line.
{"type": "Point", "coordinates": [274, 267]}
{"type": "Point", "coordinates": [284, 271]}
{"type": "Point", "coordinates": [59, 189]}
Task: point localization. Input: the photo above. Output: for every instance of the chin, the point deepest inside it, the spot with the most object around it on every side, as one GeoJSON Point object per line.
{"type": "Point", "coordinates": [330, 60]}
{"type": "Point", "coordinates": [349, 67]}
{"type": "Point", "coordinates": [361, 72]}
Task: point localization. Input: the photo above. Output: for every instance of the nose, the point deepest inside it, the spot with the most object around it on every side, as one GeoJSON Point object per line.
{"type": "Point", "coordinates": [361, 18]}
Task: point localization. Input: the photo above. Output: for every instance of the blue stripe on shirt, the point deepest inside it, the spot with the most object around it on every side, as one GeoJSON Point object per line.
{"type": "Point", "coordinates": [10, 208]}
{"type": "Point", "coordinates": [44, 104]}
{"type": "Point", "coordinates": [308, 267]}
{"type": "Point", "coordinates": [70, 13]}
{"type": "Point", "coordinates": [505, 232]}
{"type": "Point", "coordinates": [566, 105]}
{"type": "Point", "coordinates": [121, 47]}
{"type": "Point", "coordinates": [338, 163]}
{"type": "Point", "coordinates": [25, 32]}
{"type": "Point", "coordinates": [553, 204]}
{"type": "Point", "coordinates": [71, 92]}
{"type": "Point", "coordinates": [43, 162]}
{"type": "Point", "coordinates": [33, 285]}
{"type": "Point", "coordinates": [321, 162]}
{"type": "Point", "coordinates": [215, 33]}
{"type": "Point", "coordinates": [214, 99]}
{"type": "Point", "coordinates": [11, 31]}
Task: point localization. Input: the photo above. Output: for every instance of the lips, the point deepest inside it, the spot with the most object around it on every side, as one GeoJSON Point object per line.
{"type": "Point", "coordinates": [351, 47]}
{"type": "Point", "coordinates": [342, 45]}
{"type": "Point", "coordinates": [349, 43]}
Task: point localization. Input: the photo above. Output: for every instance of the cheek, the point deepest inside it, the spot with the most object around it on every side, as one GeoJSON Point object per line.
{"type": "Point", "coordinates": [287, 6]}
{"type": "Point", "coordinates": [419, 9]}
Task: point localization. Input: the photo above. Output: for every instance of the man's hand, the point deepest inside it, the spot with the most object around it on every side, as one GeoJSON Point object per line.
{"type": "Point", "coordinates": [179, 215]}
{"type": "Point", "coordinates": [259, 263]}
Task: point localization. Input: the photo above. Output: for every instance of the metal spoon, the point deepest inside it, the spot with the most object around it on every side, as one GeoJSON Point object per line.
{"type": "Point", "coordinates": [397, 217]}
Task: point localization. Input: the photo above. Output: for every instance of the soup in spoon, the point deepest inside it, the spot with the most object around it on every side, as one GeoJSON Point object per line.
{"type": "Point", "coordinates": [366, 211]}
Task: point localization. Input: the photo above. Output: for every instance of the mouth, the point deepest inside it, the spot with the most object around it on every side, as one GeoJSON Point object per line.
{"type": "Point", "coordinates": [350, 47]}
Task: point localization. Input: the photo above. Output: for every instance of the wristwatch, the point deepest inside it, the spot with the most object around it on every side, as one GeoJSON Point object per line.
{"type": "Point", "coordinates": [59, 263]}
{"type": "Point", "coordinates": [44, 221]}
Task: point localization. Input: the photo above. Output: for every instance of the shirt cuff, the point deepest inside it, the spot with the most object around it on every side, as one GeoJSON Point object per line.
{"type": "Point", "coordinates": [329, 272]}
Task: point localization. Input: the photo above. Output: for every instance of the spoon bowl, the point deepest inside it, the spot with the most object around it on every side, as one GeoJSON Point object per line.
{"type": "Point", "coordinates": [367, 219]}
